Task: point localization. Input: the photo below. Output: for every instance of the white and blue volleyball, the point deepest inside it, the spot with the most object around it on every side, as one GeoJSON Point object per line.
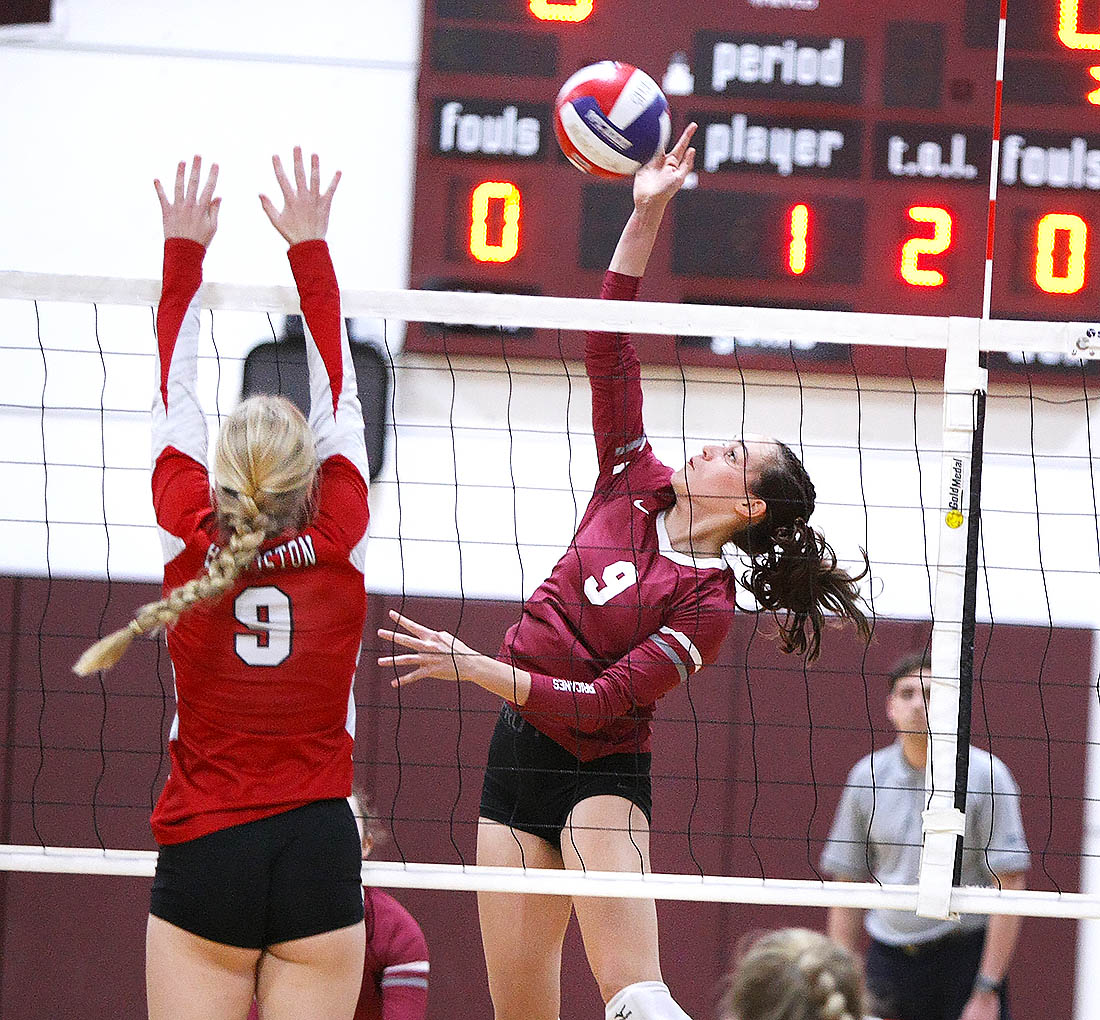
{"type": "Point", "coordinates": [610, 118]}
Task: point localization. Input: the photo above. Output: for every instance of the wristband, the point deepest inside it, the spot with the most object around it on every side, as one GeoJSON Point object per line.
{"type": "Point", "coordinates": [983, 983]}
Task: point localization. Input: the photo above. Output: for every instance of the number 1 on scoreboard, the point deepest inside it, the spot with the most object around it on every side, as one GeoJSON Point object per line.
{"type": "Point", "coordinates": [798, 251]}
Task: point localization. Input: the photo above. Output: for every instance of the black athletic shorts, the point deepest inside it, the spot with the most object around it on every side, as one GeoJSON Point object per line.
{"type": "Point", "coordinates": [532, 782]}
{"type": "Point", "coordinates": [253, 885]}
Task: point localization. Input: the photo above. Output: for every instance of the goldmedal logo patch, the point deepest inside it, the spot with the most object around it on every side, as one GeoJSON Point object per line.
{"type": "Point", "coordinates": [954, 517]}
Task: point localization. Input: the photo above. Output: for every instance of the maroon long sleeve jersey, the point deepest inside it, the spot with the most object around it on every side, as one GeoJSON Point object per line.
{"type": "Point", "coordinates": [623, 618]}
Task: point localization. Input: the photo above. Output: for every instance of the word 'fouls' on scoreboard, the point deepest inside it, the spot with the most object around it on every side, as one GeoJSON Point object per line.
{"type": "Point", "coordinates": [844, 157]}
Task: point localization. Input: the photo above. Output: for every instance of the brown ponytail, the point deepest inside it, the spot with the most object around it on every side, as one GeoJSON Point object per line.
{"type": "Point", "coordinates": [794, 572]}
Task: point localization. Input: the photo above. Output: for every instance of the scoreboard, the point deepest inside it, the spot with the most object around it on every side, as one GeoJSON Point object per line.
{"type": "Point", "coordinates": [843, 160]}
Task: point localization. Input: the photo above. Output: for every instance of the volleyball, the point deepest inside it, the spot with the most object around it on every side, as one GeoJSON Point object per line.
{"type": "Point", "coordinates": [610, 118]}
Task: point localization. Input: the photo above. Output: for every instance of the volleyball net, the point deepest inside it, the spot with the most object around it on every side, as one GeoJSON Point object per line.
{"type": "Point", "coordinates": [487, 469]}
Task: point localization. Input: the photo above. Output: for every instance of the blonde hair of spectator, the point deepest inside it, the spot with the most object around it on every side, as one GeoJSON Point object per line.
{"type": "Point", "coordinates": [794, 974]}
{"type": "Point", "coordinates": [265, 465]}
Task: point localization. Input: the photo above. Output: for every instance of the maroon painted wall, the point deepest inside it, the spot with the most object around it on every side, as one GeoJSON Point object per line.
{"type": "Point", "coordinates": [767, 784]}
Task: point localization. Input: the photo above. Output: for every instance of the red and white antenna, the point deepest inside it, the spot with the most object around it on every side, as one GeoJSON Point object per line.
{"type": "Point", "coordinates": [995, 157]}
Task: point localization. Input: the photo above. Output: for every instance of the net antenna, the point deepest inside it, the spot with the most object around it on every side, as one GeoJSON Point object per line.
{"type": "Point", "coordinates": [951, 684]}
{"type": "Point", "coordinates": [962, 338]}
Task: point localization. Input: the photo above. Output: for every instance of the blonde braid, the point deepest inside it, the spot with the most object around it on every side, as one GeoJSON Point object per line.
{"type": "Point", "coordinates": [150, 619]}
{"type": "Point", "coordinates": [831, 1002]}
{"type": "Point", "coordinates": [794, 974]}
{"type": "Point", "coordinates": [265, 464]}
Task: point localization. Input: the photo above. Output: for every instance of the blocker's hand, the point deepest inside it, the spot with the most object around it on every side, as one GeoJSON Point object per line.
{"type": "Point", "coordinates": [191, 214]}
{"type": "Point", "coordinates": [305, 207]}
{"type": "Point", "coordinates": [432, 653]}
{"type": "Point", "coordinates": [665, 173]}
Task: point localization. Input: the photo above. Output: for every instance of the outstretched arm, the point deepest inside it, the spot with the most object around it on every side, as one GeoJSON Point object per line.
{"type": "Point", "coordinates": [335, 413]}
{"type": "Point", "coordinates": [654, 186]}
{"type": "Point", "coordinates": [609, 358]}
{"type": "Point", "coordinates": [689, 640]}
{"type": "Point", "coordinates": [439, 654]}
{"type": "Point", "coordinates": [190, 220]}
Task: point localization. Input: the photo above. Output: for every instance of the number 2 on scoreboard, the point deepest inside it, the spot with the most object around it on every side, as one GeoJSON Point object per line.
{"type": "Point", "coordinates": [911, 270]}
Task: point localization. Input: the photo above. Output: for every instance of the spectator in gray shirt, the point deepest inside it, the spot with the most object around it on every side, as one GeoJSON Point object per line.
{"type": "Point", "coordinates": [922, 968]}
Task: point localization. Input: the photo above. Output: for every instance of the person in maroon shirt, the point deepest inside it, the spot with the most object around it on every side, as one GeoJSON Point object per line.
{"type": "Point", "coordinates": [641, 600]}
{"type": "Point", "coordinates": [395, 968]}
{"type": "Point", "coordinates": [257, 888]}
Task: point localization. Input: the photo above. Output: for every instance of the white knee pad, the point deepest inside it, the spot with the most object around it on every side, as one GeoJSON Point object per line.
{"type": "Point", "coordinates": [645, 1000]}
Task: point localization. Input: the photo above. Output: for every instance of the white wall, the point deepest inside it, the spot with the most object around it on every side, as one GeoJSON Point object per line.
{"type": "Point", "coordinates": [131, 87]}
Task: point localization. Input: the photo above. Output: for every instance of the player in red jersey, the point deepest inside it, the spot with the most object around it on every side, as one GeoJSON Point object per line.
{"type": "Point", "coordinates": [257, 888]}
{"type": "Point", "coordinates": [641, 600]}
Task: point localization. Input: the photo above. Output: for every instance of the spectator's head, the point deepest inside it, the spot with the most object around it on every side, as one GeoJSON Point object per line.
{"type": "Point", "coordinates": [794, 974]}
{"type": "Point", "coordinates": [370, 832]}
{"type": "Point", "coordinates": [914, 664]}
{"type": "Point", "coordinates": [907, 702]}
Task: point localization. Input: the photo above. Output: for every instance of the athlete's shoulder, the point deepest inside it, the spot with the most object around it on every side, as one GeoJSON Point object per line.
{"type": "Point", "coordinates": [395, 935]}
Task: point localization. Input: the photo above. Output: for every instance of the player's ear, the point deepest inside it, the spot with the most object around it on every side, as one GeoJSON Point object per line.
{"type": "Point", "coordinates": [751, 508]}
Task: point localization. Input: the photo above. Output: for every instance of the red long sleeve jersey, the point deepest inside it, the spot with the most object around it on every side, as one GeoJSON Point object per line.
{"type": "Point", "coordinates": [265, 713]}
{"type": "Point", "coordinates": [623, 618]}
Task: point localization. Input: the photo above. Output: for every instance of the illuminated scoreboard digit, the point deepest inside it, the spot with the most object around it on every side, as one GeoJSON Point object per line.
{"type": "Point", "coordinates": [844, 155]}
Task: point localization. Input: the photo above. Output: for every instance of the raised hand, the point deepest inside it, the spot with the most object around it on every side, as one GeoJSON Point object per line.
{"type": "Point", "coordinates": [433, 652]}
{"type": "Point", "coordinates": [665, 173]}
{"type": "Point", "coordinates": [305, 207]}
{"type": "Point", "coordinates": [191, 214]}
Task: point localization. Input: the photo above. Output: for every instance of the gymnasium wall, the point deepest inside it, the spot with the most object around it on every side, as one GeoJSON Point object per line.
{"type": "Point", "coordinates": [767, 786]}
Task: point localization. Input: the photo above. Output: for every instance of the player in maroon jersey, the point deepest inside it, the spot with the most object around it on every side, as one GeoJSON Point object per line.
{"type": "Point", "coordinates": [257, 888]}
{"type": "Point", "coordinates": [641, 600]}
{"type": "Point", "coordinates": [395, 973]}
{"type": "Point", "coordinates": [395, 969]}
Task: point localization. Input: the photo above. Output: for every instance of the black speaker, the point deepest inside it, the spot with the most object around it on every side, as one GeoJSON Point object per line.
{"type": "Point", "coordinates": [26, 12]}
{"type": "Point", "coordinates": [280, 366]}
